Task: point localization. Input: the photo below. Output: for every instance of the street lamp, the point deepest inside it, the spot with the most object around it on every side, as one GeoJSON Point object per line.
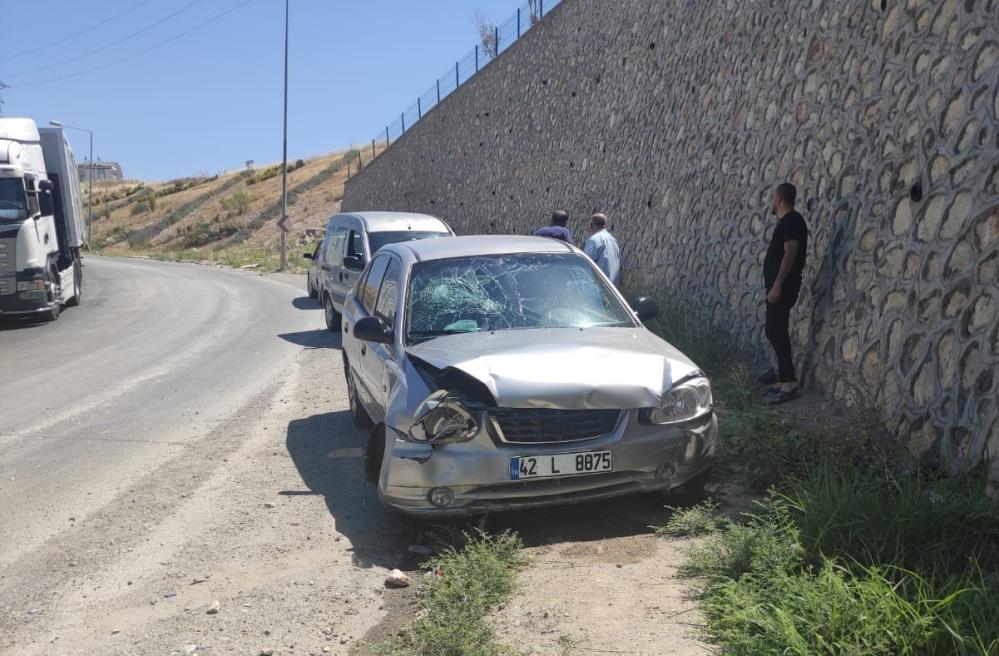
{"type": "Point", "coordinates": [90, 169]}
{"type": "Point", "coordinates": [284, 157]}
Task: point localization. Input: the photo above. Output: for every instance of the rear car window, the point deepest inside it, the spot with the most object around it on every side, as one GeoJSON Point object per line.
{"type": "Point", "coordinates": [379, 239]}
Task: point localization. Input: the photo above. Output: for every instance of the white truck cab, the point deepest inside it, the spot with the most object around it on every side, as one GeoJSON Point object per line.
{"type": "Point", "coordinates": [41, 221]}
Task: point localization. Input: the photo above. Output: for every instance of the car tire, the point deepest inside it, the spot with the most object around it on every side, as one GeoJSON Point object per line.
{"type": "Point", "coordinates": [358, 414]}
{"type": "Point", "coordinates": [333, 317]}
{"type": "Point", "coordinates": [374, 453]}
{"type": "Point", "coordinates": [694, 489]}
{"type": "Point", "coordinates": [77, 285]}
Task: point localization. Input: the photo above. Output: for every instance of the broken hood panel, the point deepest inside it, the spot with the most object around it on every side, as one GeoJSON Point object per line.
{"type": "Point", "coordinates": [564, 368]}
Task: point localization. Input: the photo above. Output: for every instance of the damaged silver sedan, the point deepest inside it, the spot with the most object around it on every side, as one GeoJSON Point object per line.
{"type": "Point", "coordinates": [504, 372]}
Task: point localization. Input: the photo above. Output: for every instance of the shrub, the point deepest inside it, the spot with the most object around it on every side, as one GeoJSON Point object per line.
{"type": "Point", "coordinates": [701, 519]}
{"type": "Point", "coordinates": [236, 203]}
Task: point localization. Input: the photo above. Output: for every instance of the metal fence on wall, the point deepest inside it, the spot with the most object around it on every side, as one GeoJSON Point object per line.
{"type": "Point", "coordinates": [494, 42]}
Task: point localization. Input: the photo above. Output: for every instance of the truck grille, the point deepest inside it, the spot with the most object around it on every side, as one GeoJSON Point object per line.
{"type": "Point", "coordinates": [541, 425]}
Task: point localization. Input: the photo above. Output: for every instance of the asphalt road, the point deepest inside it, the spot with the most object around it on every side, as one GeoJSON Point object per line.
{"type": "Point", "coordinates": [137, 443]}
{"type": "Point", "coordinates": [155, 355]}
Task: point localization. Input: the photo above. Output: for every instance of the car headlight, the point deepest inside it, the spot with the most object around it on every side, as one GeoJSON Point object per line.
{"type": "Point", "coordinates": [442, 419]}
{"type": "Point", "coordinates": [686, 400]}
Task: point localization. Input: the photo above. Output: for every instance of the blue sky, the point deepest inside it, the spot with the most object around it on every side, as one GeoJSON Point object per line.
{"type": "Point", "coordinates": [212, 99]}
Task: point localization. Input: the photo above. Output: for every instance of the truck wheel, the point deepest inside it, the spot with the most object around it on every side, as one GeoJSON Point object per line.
{"type": "Point", "coordinates": [77, 285]}
{"type": "Point", "coordinates": [333, 317]}
{"type": "Point", "coordinates": [53, 314]}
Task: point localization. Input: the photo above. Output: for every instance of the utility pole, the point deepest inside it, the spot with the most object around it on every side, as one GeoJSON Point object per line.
{"type": "Point", "coordinates": [284, 158]}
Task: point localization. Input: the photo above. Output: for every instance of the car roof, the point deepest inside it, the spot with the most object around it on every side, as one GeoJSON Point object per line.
{"type": "Point", "coordinates": [392, 221]}
{"type": "Point", "coordinates": [439, 249]}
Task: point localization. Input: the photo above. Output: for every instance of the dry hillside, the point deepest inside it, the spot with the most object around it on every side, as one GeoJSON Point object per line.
{"type": "Point", "coordinates": [229, 218]}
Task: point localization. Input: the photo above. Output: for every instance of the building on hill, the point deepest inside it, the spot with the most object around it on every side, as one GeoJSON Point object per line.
{"type": "Point", "coordinates": [103, 171]}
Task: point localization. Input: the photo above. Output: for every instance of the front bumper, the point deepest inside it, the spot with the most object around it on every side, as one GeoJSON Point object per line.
{"type": "Point", "coordinates": [645, 458]}
{"type": "Point", "coordinates": [25, 302]}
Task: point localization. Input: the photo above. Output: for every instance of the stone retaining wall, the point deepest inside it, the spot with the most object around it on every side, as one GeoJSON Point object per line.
{"type": "Point", "coordinates": [677, 118]}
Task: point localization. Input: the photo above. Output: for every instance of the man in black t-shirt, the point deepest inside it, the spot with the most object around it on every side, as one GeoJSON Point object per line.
{"type": "Point", "coordinates": [782, 269]}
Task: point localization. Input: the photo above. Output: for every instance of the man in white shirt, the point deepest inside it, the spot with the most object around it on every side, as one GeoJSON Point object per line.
{"type": "Point", "coordinates": [603, 249]}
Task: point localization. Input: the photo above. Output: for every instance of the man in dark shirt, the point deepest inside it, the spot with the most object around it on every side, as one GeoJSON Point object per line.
{"type": "Point", "coordinates": [782, 269]}
{"type": "Point", "coordinates": [557, 229]}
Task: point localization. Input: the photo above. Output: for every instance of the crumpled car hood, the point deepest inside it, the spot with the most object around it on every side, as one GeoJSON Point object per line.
{"type": "Point", "coordinates": [564, 368]}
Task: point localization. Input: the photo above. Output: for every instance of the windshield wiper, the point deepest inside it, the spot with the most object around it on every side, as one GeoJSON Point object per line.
{"type": "Point", "coordinates": [425, 335]}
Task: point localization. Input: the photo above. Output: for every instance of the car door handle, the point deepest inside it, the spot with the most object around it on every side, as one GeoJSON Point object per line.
{"type": "Point", "coordinates": [364, 349]}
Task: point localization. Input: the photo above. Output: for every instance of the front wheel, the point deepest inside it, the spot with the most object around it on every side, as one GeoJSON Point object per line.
{"type": "Point", "coordinates": [77, 285]}
{"type": "Point", "coordinates": [358, 414]}
{"type": "Point", "coordinates": [53, 313]}
{"type": "Point", "coordinates": [333, 317]}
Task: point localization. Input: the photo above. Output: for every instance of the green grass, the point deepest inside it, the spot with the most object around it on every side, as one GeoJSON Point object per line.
{"type": "Point", "coordinates": [476, 577]}
{"type": "Point", "coordinates": [771, 587]}
{"type": "Point", "coordinates": [843, 557]}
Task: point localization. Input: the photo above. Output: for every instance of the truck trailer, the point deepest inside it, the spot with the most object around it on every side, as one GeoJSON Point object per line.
{"type": "Point", "coordinates": [42, 230]}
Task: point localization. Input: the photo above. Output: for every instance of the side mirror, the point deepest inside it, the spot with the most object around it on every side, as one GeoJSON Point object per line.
{"type": "Point", "coordinates": [372, 329]}
{"type": "Point", "coordinates": [45, 204]}
{"type": "Point", "coordinates": [353, 262]}
{"type": "Point", "coordinates": [307, 256]}
{"type": "Point", "coordinates": [645, 307]}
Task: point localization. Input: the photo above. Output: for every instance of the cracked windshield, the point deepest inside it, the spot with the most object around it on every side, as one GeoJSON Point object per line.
{"type": "Point", "coordinates": [508, 292]}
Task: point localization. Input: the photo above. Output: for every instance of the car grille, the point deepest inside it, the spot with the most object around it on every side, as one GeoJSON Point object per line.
{"type": "Point", "coordinates": [541, 425]}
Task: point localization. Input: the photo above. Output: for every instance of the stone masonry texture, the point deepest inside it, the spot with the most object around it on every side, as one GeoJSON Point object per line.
{"type": "Point", "coordinates": [678, 118]}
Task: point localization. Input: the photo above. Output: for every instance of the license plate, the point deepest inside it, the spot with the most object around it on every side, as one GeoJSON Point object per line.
{"type": "Point", "coordinates": [562, 464]}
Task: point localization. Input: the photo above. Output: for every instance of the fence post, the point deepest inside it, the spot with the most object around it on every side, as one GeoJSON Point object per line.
{"type": "Point", "coordinates": [403, 117]}
{"type": "Point", "coordinates": [518, 22]}
{"type": "Point", "coordinates": [372, 149]}
{"type": "Point", "coordinates": [387, 142]}
{"type": "Point", "coordinates": [457, 79]}
{"type": "Point", "coordinates": [496, 38]}
{"type": "Point", "coordinates": [438, 89]}
{"type": "Point", "coordinates": [419, 108]}
{"type": "Point", "coordinates": [348, 169]}
{"type": "Point", "coordinates": [541, 8]}
{"type": "Point", "coordinates": [476, 57]}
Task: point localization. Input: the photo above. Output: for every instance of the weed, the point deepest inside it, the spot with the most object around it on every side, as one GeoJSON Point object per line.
{"type": "Point", "coordinates": [567, 645]}
{"type": "Point", "coordinates": [933, 527]}
{"type": "Point", "coordinates": [694, 521]}
{"type": "Point", "coordinates": [475, 578]}
{"type": "Point", "coordinates": [804, 576]}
